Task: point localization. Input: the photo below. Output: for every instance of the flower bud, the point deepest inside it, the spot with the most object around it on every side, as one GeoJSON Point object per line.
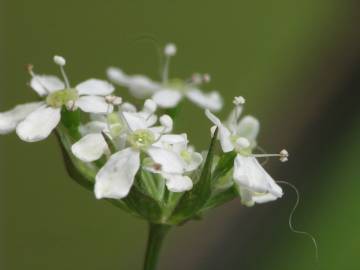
{"type": "Point", "coordinates": [242, 143]}
{"type": "Point", "coordinates": [167, 122]}
{"type": "Point", "coordinates": [150, 106]}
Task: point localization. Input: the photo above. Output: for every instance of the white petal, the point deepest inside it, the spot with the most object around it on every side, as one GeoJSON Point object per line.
{"type": "Point", "coordinates": [170, 162]}
{"type": "Point", "coordinates": [93, 127]}
{"type": "Point", "coordinates": [95, 87]}
{"type": "Point", "coordinates": [167, 98]}
{"type": "Point", "coordinates": [39, 124]}
{"type": "Point", "coordinates": [196, 160]}
{"type": "Point", "coordinates": [94, 104]}
{"type": "Point", "coordinates": [250, 174]}
{"type": "Point", "coordinates": [177, 182]}
{"type": "Point", "coordinates": [116, 178]}
{"type": "Point", "coordinates": [117, 76]}
{"type": "Point", "coordinates": [249, 128]}
{"type": "Point", "coordinates": [142, 87]}
{"type": "Point", "coordinates": [139, 86]}
{"type": "Point", "coordinates": [10, 119]}
{"type": "Point", "coordinates": [169, 140]}
{"type": "Point", "coordinates": [90, 148]}
{"type": "Point", "coordinates": [223, 133]}
{"type": "Point", "coordinates": [211, 100]}
{"type": "Point", "coordinates": [249, 198]}
{"type": "Point", "coordinates": [45, 84]}
{"type": "Point", "coordinates": [135, 121]}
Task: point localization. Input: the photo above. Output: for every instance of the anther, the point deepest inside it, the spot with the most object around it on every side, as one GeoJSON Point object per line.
{"type": "Point", "coordinates": [59, 60]}
{"type": "Point", "coordinates": [113, 100]}
{"type": "Point", "coordinates": [239, 101]}
{"type": "Point", "coordinates": [284, 155]}
{"type": "Point", "coordinates": [170, 49]}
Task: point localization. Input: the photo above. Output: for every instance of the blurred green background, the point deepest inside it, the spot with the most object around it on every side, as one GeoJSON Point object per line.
{"type": "Point", "coordinates": [296, 62]}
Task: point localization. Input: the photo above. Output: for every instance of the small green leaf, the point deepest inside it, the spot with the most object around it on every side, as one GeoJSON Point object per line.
{"type": "Point", "coordinates": [195, 199]}
{"type": "Point", "coordinates": [225, 164]}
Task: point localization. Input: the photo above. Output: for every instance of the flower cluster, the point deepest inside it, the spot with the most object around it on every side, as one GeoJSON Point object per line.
{"type": "Point", "coordinates": [131, 157]}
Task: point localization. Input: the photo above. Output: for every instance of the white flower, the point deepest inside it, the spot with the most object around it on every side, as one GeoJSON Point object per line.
{"type": "Point", "coordinates": [35, 121]}
{"type": "Point", "coordinates": [168, 93]}
{"type": "Point", "coordinates": [137, 134]}
{"type": "Point", "coordinates": [254, 183]}
{"type": "Point", "coordinates": [175, 182]}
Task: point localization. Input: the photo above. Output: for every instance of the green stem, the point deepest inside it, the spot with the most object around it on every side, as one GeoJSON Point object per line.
{"type": "Point", "coordinates": [157, 234]}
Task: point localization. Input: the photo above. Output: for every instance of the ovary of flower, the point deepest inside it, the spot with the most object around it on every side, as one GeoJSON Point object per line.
{"type": "Point", "coordinates": [168, 93]}
{"type": "Point", "coordinates": [35, 121]}
{"type": "Point", "coordinates": [254, 183]}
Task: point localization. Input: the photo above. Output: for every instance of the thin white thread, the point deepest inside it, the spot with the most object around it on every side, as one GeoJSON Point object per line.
{"type": "Point", "coordinates": [291, 226]}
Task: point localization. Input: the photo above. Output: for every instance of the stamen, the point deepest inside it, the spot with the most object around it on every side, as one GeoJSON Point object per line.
{"type": "Point", "coordinates": [238, 102]}
{"type": "Point", "coordinates": [283, 155]}
{"type": "Point", "coordinates": [60, 61]}
{"type": "Point", "coordinates": [169, 51]}
{"type": "Point", "coordinates": [113, 100]}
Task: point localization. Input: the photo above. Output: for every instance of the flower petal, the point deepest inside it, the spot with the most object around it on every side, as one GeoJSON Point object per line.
{"type": "Point", "coordinates": [249, 128]}
{"type": "Point", "coordinates": [10, 119]}
{"type": "Point", "coordinates": [142, 87]}
{"type": "Point", "coordinates": [250, 174]}
{"type": "Point", "coordinates": [116, 178]}
{"type": "Point", "coordinates": [211, 100]}
{"type": "Point", "coordinates": [224, 134]}
{"type": "Point", "coordinates": [167, 98]}
{"type": "Point", "coordinates": [94, 104]}
{"type": "Point", "coordinates": [93, 127]}
{"type": "Point", "coordinates": [39, 124]}
{"type": "Point", "coordinates": [177, 182]}
{"type": "Point", "coordinates": [45, 84]}
{"type": "Point", "coordinates": [195, 161]}
{"type": "Point", "coordinates": [95, 87]}
{"type": "Point", "coordinates": [135, 121]}
{"type": "Point", "coordinates": [90, 148]}
{"type": "Point", "coordinates": [170, 162]}
{"type": "Point", "coordinates": [139, 86]}
{"type": "Point", "coordinates": [117, 76]}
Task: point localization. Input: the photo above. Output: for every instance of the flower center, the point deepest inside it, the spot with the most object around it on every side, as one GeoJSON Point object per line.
{"type": "Point", "coordinates": [242, 145]}
{"type": "Point", "coordinates": [177, 84]}
{"type": "Point", "coordinates": [141, 139]}
{"type": "Point", "coordinates": [185, 154]}
{"type": "Point", "coordinates": [62, 97]}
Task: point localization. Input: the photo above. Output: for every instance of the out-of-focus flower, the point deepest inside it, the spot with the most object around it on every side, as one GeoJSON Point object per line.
{"type": "Point", "coordinates": [169, 92]}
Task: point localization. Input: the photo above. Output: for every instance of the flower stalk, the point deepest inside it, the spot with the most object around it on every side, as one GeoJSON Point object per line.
{"type": "Point", "coordinates": [157, 233]}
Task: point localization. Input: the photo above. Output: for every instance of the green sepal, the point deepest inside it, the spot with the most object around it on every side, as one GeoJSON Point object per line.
{"type": "Point", "coordinates": [193, 200]}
